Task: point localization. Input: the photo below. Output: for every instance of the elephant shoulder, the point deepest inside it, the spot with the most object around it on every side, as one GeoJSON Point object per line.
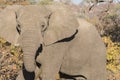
{"type": "Point", "coordinates": [86, 26]}
{"type": "Point", "coordinates": [88, 34]}
{"type": "Point", "coordinates": [88, 30]}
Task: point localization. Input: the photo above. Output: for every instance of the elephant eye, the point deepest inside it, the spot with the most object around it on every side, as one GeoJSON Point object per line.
{"type": "Point", "coordinates": [42, 26]}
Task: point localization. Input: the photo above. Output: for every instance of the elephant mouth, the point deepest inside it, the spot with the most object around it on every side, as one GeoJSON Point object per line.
{"type": "Point", "coordinates": [28, 75]}
{"type": "Point", "coordinates": [38, 53]}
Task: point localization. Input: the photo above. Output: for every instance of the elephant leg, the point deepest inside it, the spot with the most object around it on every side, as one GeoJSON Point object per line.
{"type": "Point", "coordinates": [38, 73]}
{"type": "Point", "coordinates": [51, 59]}
{"type": "Point", "coordinates": [48, 70]}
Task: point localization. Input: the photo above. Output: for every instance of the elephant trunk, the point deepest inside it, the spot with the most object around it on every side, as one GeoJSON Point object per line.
{"type": "Point", "coordinates": [30, 44]}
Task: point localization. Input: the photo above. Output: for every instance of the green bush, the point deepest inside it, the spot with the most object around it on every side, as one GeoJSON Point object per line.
{"type": "Point", "coordinates": [44, 2]}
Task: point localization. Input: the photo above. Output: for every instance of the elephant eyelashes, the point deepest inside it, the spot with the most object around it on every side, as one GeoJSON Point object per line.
{"type": "Point", "coordinates": [18, 28]}
{"type": "Point", "coordinates": [43, 27]}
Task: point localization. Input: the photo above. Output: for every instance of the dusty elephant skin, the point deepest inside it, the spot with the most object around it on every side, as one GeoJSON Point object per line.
{"type": "Point", "coordinates": [69, 46]}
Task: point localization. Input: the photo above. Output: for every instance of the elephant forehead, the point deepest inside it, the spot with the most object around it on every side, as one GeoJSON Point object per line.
{"type": "Point", "coordinates": [34, 10]}
{"type": "Point", "coordinates": [32, 14]}
{"type": "Point", "coordinates": [30, 20]}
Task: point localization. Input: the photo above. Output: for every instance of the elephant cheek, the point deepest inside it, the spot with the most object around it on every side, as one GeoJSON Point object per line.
{"type": "Point", "coordinates": [30, 44]}
{"type": "Point", "coordinates": [50, 37]}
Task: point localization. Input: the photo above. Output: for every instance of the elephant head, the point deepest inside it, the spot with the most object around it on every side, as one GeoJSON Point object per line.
{"type": "Point", "coordinates": [33, 25]}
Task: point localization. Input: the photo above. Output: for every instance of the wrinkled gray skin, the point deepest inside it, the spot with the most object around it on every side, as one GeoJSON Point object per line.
{"type": "Point", "coordinates": [82, 55]}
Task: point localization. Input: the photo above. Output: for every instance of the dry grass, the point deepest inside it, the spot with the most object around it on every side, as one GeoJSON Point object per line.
{"type": "Point", "coordinates": [10, 60]}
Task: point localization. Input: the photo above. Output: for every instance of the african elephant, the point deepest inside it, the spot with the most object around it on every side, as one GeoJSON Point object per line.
{"type": "Point", "coordinates": [69, 46]}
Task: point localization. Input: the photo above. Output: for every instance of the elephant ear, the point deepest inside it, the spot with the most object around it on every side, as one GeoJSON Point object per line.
{"type": "Point", "coordinates": [62, 24]}
{"type": "Point", "coordinates": [8, 25]}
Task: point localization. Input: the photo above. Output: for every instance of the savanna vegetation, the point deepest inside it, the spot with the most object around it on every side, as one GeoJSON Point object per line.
{"type": "Point", "coordinates": [105, 16]}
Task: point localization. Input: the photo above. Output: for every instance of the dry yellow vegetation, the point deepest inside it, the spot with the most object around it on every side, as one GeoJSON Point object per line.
{"type": "Point", "coordinates": [113, 58]}
{"type": "Point", "coordinates": [10, 60]}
